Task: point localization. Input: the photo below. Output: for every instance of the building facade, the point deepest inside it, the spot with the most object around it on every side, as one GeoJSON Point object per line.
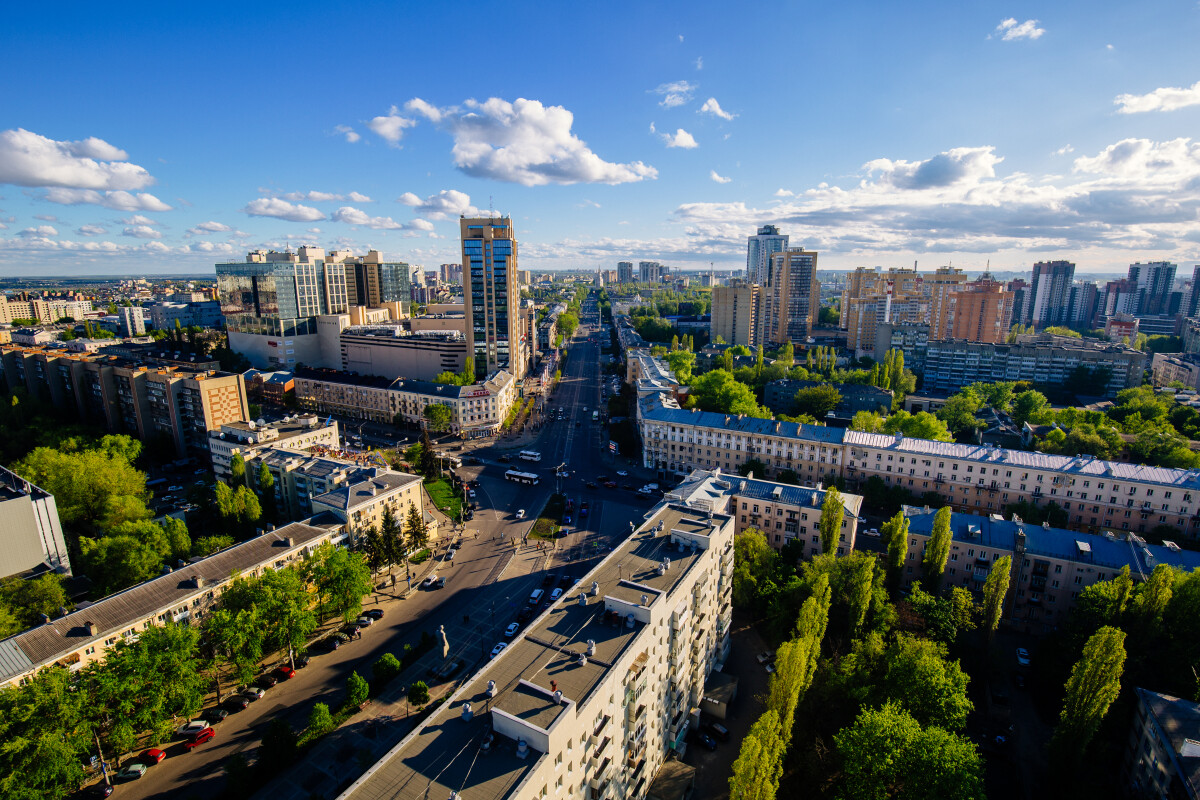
{"type": "Point", "coordinates": [249, 438]}
{"type": "Point", "coordinates": [1163, 756]}
{"type": "Point", "coordinates": [1048, 294]}
{"type": "Point", "coordinates": [624, 272]}
{"type": "Point", "coordinates": [759, 249]}
{"type": "Point", "coordinates": [492, 296]}
{"type": "Point", "coordinates": [389, 351]}
{"type": "Point", "coordinates": [31, 537]}
{"type": "Point", "coordinates": [735, 313]}
{"type": "Point", "coordinates": [980, 311]}
{"type": "Point", "coordinates": [791, 298]}
{"type": "Point", "coordinates": [1166, 368]}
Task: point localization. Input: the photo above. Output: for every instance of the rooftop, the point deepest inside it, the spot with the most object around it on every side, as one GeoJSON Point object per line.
{"type": "Point", "coordinates": [653, 408]}
{"type": "Point", "coordinates": [363, 492]}
{"type": "Point", "coordinates": [1179, 721]}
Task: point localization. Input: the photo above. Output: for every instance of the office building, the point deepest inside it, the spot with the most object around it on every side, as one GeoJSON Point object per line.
{"type": "Point", "coordinates": [1154, 282]}
{"type": "Point", "coordinates": [791, 298]}
{"type": "Point", "coordinates": [980, 311]}
{"type": "Point", "coordinates": [1049, 292]}
{"type": "Point", "coordinates": [373, 282]}
{"type": "Point", "coordinates": [31, 537]}
{"type": "Point", "coordinates": [492, 297]}
{"type": "Point", "coordinates": [590, 699]}
{"type": "Point", "coordinates": [1050, 566]}
{"type": "Point", "coordinates": [759, 249]}
{"type": "Point", "coordinates": [1162, 759]}
{"type": "Point", "coordinates": [624, 272]}
{"type": "Point", "coordinates": [735, 313]}
{"type": "Point", "coordinates": [247, 439]}
{"type": "Point", "coordinates": [651, 272]}
{"type": "Point", "coordinates": [390, 351]}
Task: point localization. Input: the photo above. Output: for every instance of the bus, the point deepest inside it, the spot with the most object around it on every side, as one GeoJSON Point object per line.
{"type": "Point", "coordinates": [531, 455]}
{"type": "Point", "coordinates": [521, 477]}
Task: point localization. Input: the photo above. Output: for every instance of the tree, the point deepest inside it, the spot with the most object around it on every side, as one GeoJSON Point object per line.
{"type": "Point", "coordinates": [320, 721]}
{"type": "Point", "coordinates": [438, 417]}
{"type": "Point", "coordinates": [995, 588]}
{"type": "Point", "coordinates": [759, 764]}
{"type": "Point", "coordinates": [29, 599]}
{"type": "Point", "coordinates": [944, 617]}
{"type": "Point", "coordinates": [207, 545]}
{"type": "Point", "coordinates": [357, 690]}
{"type": "Point", "coordinates": [283, 602]}
{"type": "Point", "coordinates": [237, 470]}
{"type": "Point", "coordinates": [1153, 598]}
{"type": "Point", "coordinates": [682, 362]}
{"type": "Point", "coordinates": [391, 538]}
{"type": "Point", "coordinates": [719, 391]}
{"type": "Point", "coordinates": [937, 550]}
{"type": "Point", "coordinates": [959, 413]}
{"type": "Point", "coordinates": [118, 562]}
{"type": "Point", "coordinates": [755, 564]}
{"type": "Point", "coordinates": [385, 669]}
{"type": "Point", "coordinates": [427, 459]}
{"type": "Point", "coordinates": [1028, 406]}
{"type": "Point", "coordinates": [266, 492]}
{"type": "Point", "coordinates": [418, 694]}
{"type": "Point", "coordinates": [416, 532]}
{"type": "Point", "coordinates": [867, 421]}
{"type": "Point", "coordinates": [84, 483]}
{"type": "Point", "coordinates": [46, 727]}
{"type": "Point", "coordinates": [280, 745]}
{"type": "Point", "coordinates": [1094, 684]}
{"type": "Point", "coordinates": [832, 511]}
{"type": "Point", "coordinates": [236, 640]}
{"type": "Point", "coordinates": [816, 400]}
{"type": "Point", "coordinates": [753, 466]}
{"type": "Point", "coordinates": [859, 592]}
{"type": "Point", "coordinates": [895, 535]}
{"type": "Point", "coordinates": [342, 577]}
{"type": "Point", "coordinates": [930, 687]}
{"type": "Point", "coordinates": [1059, 330]}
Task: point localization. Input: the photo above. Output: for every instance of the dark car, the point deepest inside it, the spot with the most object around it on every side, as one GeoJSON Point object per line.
{"type": "Point", "coordinates": [100, 789]}
{"type": "Point", "coordinates": [374, 613]}
{"type": "Point", "coordinates": [549, 579]}
{"type": "Point", "coordinates": [602, 478]}
{"type": "Point", "coordinates": [704, 740]}
{"type": "Point", "coordinates": [334, 642]}
{"type": "Point", "coordinates": [302, 661]}
{"type": "Point", "coordinates": [214, 715]}
{"type": "Point", "coordinates": [524, 614]}
{"type": "Point", "coordinates": [717, 730]}
{"type": "Point", "coordinates": [610, 484]}
{"type": "Point", "coordinates": [440, 583]}
{"type": "Point", "coordinates": [236, 703]}
{"type": "Point", "coordinates": [267, 681]}
{"type": "Point", "coordinates": [504, 459]}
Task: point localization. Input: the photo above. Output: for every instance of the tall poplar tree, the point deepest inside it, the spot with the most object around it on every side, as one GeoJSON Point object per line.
{"type": "Point", "coordinates": [937, 551]}
{"type": "Point", "coordinates": [1094, 684]}
{"type": "Point", "coordinates": [994, 590]}
{"type": "Point", "coordinates": [832, 512]}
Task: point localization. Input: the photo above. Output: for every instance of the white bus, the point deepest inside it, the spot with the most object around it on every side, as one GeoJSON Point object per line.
{"type": "Point", "coordinates": [521, 477]}
{"type": "Point", "coordinates": [531, 455]}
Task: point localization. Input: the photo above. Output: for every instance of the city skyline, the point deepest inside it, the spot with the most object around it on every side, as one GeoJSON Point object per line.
{"type": "Point", "coordinates": [1006, 135]}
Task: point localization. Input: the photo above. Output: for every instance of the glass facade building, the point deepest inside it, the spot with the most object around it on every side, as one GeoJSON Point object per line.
{"type": "Point", "coordinates": [489, 251]}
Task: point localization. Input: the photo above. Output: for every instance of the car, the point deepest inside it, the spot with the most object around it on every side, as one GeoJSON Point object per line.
{"type": "Point", "coordinates": [364, 621]}
{"type": "Point", "coordinates": [175, 488]}
{"type": "Point", "coordinates": [525, 614]}
{"type": "Point", "coordinates": [504, 459]}
{"type": "Point", "coordinates": [334, 642]}
{"type": "Point", "coordinates": [566, 520]}
{"type": "Point", "coordinates": [622, 473]}
{"type": "Point", "coordinates": [770, 668]}
{"type": "Point", "coordinates": [152, 756]}
{"type": "Point", "coordinates": [704, 740]}
{"type": "Point", "coordinates": [1023, 657]}
{"type": "Point", "coordinates": [440, 583]}
{"type": "Point", "coordinates": [765, 656]}
{"type": "Point", "coordinates": [871, 532]}
{"type": "Point", "coordinates": [283, 673]}
{"type": "Point", "coordinates": [512, 629]}
{"type": "Point", "coordinates": [429, 582]}
{"type": "Point", "coordinates": [190, 727]}
{"type": "Point", "coordinates": [590, 484]}
{"type": "Point", "coordinates": [646, 490]}
{"type": "Point", "coordinates": [199, 738]}
{"type": "Point", "coordinates": [601, 478]}
{"type": "Point", "coordinates": [213, 715]}
{"type": "Point", "coordinates": [374, 613]}
{"type": "Point", "coordinates": [610, 484]}
{"type": "Point", "coordinates": [520, 513]}
{"type": "Point", "coordinates": [474, 484]}
{"type": "Point", "coordinates": [302, 661]}
{"type": "Point", "coordinates": [450, 554]}
{"type": "Point", "coordinates": [132, 771]}
{"type": "Point", "coordinates": [101, 789]}
{"type": "Point", "coordinates": [717, 731]}
{"type": "Point", "coordinates": [200, 472]}
{"type": "Point", "coordinates": [471, 493]}
{"type": "Point", "coordinates": [498, 649]}
{"type": "Point", "coordinates": [549, 579]}
{"type": "Point", "coordinates": [557, 593]}
{"type": "Point", "coordinates": [236, 703]}
{"type": "Point", "coordinates": [267, 681]}
{"type": "Point", "coordinates": [253, 693]}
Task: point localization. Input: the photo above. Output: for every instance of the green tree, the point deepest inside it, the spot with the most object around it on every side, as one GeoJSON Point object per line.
{"type": "Point", "coordinates": [816, 400]}
{"type": "Point", "coordinates": [438, 417]}
{"type": "Point", "coordinates": [237, 470]}
{"type": "Point", "coordinates": [416, 533]}
{"type": "Point", "coordinates": [357, 690]}
{"type": "Point", "coordinates": [1153, 598]}
{"type": "Point", "coordinates": [937, 550]}
{"type": "Point", "coordinates": [1093, 686]}
{"type": "Point", "coordinates": [753, 466]}
{"type": "Point", "coordinates": [118, 562]}
{"type": "Point", "coordinates": [342, 578]}
{"type": "Point", "coordinates": [392, 538]}
{"type": "Point", "coordinates": [418, 694]}
{"type": "Point", "coordinates": [944, 617]}
{"type": "Point", "coordinates": [682, 362]}
{"type": "Point", "coordinates": [1028, 406]}
{"type": "Point", "coordinates": [759, 764]}
{"type": "Point", "coordinates": [265, 482]}
{"type": "Point", "coordinates": [283, 601]}
{"type": "Point", "coordinates": [995, 588]}
{"type": "Point", "coordinates": [385, 669]}
{"type": "Point", "coordinates": [719, 391]}
{"type": "Point", "coordinates": [320, 721]}
{"type": "Point", "coordinates": [921, 425]}
{"type": "Point", "coordinates": [830, 526]}
{"type": "Point", "coordinates": [959, 413]}
{"type": "Point", "coordinates": [85, 483]}
{"type": "Point", "coordinates": [755, 565]}
{"type": "Point", "coordinates": [29, 599]}
{"type": "Point", "coordinates": [207, 545]}
{"type": "Point", "coordinates": [46, 727]}
{"type": "Point", "coordinates": [1059, 330]}
{"type": "Point", "coordinates": [178, 541]}
{"type": "Point", "coordinates": [867, 421]}
{"type": "Point", "coordinates": [895, 535]}
{"type": "Point", "coordinates": [859, 593]}
{"type": "Point", "coordinates": [918, 675]}
{"type": "Point", "coordinates": [236, 640]}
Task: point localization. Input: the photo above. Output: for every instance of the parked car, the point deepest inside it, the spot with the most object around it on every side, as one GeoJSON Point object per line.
{"type": "Point", "coordinates": [549, 579]}
{"type": "Point", "coordinates": [253, 693]}
{"type": "Point", "coordinates": [765, 656]}
{"type": "Point", "coordinates": [440, 583]}
{"type": "Point", "coordinates": [364, 621]}
{"type": "Point", "coordinates": [334, 642]}
{"type": "Point", "coordinates": [566, 520]}
{"type": "Point", "coordinates": [717, 731]}
{"type": "Point", "coordinates": [267, 681]}
{"type": "Point", "coordinates": [152, 756]}
{"type": "Point", "coordinates": [512, 629]}
{"type": "Point", "coordinates": [284, 673]}
{"type": "Point", "coordinates": [374, 613]}
{"type": "Point", "coordinates": [610, 484]}
{"type": "Point", "coordinates": [200, 738]}
{"type": "Point", "coordinates": [524, 614]}
{"type": "Point", "coordinates": [704, 740]}
{"type": "Point", "coordinates": [101, 789]}
{"type": "Point", "coordinates": [190, 727]}
{"type": "Point", "coordinates": [236, 703]}
{"type": "Point", "coordinates": [504, 459]}
{"type": "Point", "coordinates": [132, 772]}
{"type": "Point", "coordinates": [1023, 657]}
{"type": "Point", "coordinates": [214, 715]}
{"type": "Point", "coordinates": [591, 485]}
{"type": "Point", "coordinates": [302, 661]}
{"type": "Point", "coordinates": [520, 513]}
{"type": "Point", "coordinates": [498, 649]}
{"type": "Point", "coordinates": [628, 486]}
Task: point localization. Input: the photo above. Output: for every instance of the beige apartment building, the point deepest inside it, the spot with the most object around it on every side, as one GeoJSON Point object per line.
{"type": "Point", "coordinates": [981, 311]}
{"type": "Point", "coordinates": [247, 439]}
{"type": "Point", "coordinates": [735, 312]}
{"type": "Point", "coordinates": [790, 299]}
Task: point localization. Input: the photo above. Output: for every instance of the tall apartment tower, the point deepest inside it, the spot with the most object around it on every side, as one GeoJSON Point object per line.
{"type": "Point", "coordinates": [981, 311]}
{"type": "Point", "coordinates": [1154, 282]}
{"type": "Point", "coordinates": [735, 312]}
{"type": "Point", "coordinates": [939, 289]}
{"type": "Point", "coordinates": [1049, 292]}
{"type": "Point", "coordinates": [131, 321]}
{"type": "Point", "coordinates": [759, 248]}
{"type": "Point", "coordinates": [650, 271]}
{"type": "Point", "coordinates": [1192, 302]}
{"type": "Point", "coordinates": [790, 298]}
{"type": "Point", "coordinates": [491, 295]}
{"type": "Point", "coordinates": [624, 272]}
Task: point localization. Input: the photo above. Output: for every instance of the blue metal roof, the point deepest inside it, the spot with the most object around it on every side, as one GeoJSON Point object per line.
{"type": "Point", "coordinates": [732, 422]}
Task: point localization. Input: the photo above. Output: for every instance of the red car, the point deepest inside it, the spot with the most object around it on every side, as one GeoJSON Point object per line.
{"type": "Point", "coordinates": [610, 484]}
{"type": "Point", "coordinates": [200, 737]}
{"type": "Point", "coordinates": [151, 757]}
{"type": "Point", "coordinates": [285, 672]}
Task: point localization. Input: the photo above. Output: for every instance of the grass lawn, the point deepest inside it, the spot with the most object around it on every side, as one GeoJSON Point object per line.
{"type": "Point", "coordinates": [548, 521]}
{"type": "Point", "coordinates": [444, 496]}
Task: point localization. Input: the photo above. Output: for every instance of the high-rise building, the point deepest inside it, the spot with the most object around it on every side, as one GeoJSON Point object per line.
{"type": "Point", "coordinates": [1154, 282]}
{"type": "Point", "coordinates": [491, 294]}
{"type": "Point", "coordinates": [131, 321]}
{"type": "Point", "coordinates": [451, 273]}
{"type": "Point", "coordinates": [791, 297]}
{"type": "Point", "coordinates": [939, 290]}
{"type": "Point", "coordinates": [735, 312]}
{"type": "Point", "coordinates": [1081, 304]}
{"type": "Point", "coordinates": [651, 271]}
{"type": "Point", "coordinates": [1020, 290]}
{"type": "Point", "coordinates": [371, 281]}
{"type": "Point", "coordinates": [1049, 293]}
{"type": "Point", "coordinates": [624, 272]}
{"type": "Point", "coordinates": [1191, 300]}
{"type": "Point", "coordinates": [759, 248]}
{"type": "Point", "coordinates": [980, 311]}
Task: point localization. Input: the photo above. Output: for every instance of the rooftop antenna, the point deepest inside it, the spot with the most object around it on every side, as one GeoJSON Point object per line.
{"type": "Point", "coordinates": [491, 213]}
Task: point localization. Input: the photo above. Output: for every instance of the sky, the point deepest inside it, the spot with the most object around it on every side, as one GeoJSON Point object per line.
{"type": "Point", "coordinates": [161, 138]}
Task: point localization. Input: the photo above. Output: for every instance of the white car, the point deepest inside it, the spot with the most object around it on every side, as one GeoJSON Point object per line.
{"type": "Point", "coordinates": [622, 473]}
{"type": "Point", "coordinates": [430, 581]}
{"type": "Point", "coordinates": [498, 649]}
{"type": "Point", "coordinates": [1023, 657]}
{"type": "Point", "coordinates": [557, 593]}
{"type": "Point", "coordinates": [194, 726]}
{"type": "Point", "coordinates": [512, 629]}
{"type": "Point", "coordinates": [645, 490]}
{"type": "Point", "coordinates": [520, 513]}
{"type": "Point", "coordinates": [471, 493]}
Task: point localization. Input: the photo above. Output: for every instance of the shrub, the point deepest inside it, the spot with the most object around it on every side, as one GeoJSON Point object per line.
{"type": "Point", "coordinates": [357, 690]}
{"type": "Point", "coordinates": [386, 668]}
{"type": "Point", "coordinates": [320, 721]}
{"type": "Point", "coordinates": [418, 694]}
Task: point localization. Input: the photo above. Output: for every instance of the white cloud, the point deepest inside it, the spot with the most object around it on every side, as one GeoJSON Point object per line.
{"type": "Point", "coordinates": [282, 209]}
{"type": "Point", "coordinates": [351, 135]}
{"type": "Point", "coordinates": [138, 219]}
{"type": "Point", "coordinates": [141, 232]}
{"type": "Point", "coordinates": [680, 138]}
{"type": "Point", "coordinates": [944, 169]}
{"type": "Point", "coordinates": [1145, 160]}
{"type": "Point", "coordinates": [681, 38]}
{"type": "Point", "coordinates": [390, 127]}
{"type": "Point", "coordinates": [205, 228]}
{"type": "Point", "coordinates": [1010, 30]}
{"type": "Point", "coordinates": [525, 142]}
{"type": "Point", "coordinates": [699, 62]}
{"type": "Point", "coordinates": [40, 230]}
{"type": "Point", "coordinates": [425, 109]}
{"type": "Point", "coordinates": [711, 106]}
{"type": "Point", "coordinates": [1167, 98]}
{"type": "Point", "coordinates": [784, 193]}
{"type": "Point", "coordinates": [91, 230]}
{"type": "Point", "coordinates": [29, 159]}
{"type": "Point", "coordinates": [675, 93]}
{"type": "Point", "coordinates": [119, 200]}
{"type": "Point", "coordinates": [157, 248]}
{"type": "Point", "coordinates": [210, 247]}
{"type": "Point", "coordinates": [446, 204]}
{"type": "Point", "coordinates": [358, 198]}
{"type": "Point", "coordinates": [46, 217]}
{"type": "Point", "coordinates": [353, 216]}
{"type": "Point", "coordinates": [1108, 47]}
{"type": "Point", "coordinates": [1064, 150]}
{"type": "Point", "coordinates": [718, 178]}
{"type": "Point", "coordinates": [312, 197]}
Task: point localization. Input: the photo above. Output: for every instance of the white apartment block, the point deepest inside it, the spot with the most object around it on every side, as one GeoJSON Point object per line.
{"type": "Point", "coordinates": [1162, 758]}
{"type": "Point", "coordinates": [297, 432]}
{"type": "Point", "coordinates": [593, 696]}
{"type": "Point", "coordinates": [183, 596]}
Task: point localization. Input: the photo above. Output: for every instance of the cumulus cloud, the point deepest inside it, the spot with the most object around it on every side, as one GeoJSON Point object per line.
{"type": "Point", "coordinates": [118, 200]}
{"type": "Point", "coordinates": [353, 216]}
{"type": "Point", "coordinates": [138, 219]}
{"type": "Point", "coordinates": [675, 93]}
{"type": "Point", "coordinates": [944, 169]}
{"type": "Point", "coordinates": [282, 209]}
{"type": "Point", "coordinates": [46, 217]}
{"type": "Point", "coordinates": [29, 159]}
{"type": "Point", "coordinates": [1010, 30]}
{"type": "Point", "coordinates": [1145, 160]}
{"type": "Point", "coordinates": [205, 228]}
{"type": "Point", "coordinates": [1168, 98]}
{"type": "Point", "coordinates": [1064, 150]}
{"type": "Point", "coordinates": [351, 135]}
{"type": "Point", "coordinates": [40, 230]}
{"type": "Point", "coordinates": [358, 197]}
{"type": "Point", "coordinates": [680, 138]}
{"type": "Point", "coordinates": [700, 62]}
{"type": "Point", "coordinates": [390, 127]}
{"type": "Point", "coordinates": [711, 106]}
{"type": "Point", "coordinates": [210, 247]}
{"type": "Point", "coordinates": [524, 142]}
{"type": "Point", "coordinates": [141, 232]}
{"type": "Point", "coordinates": [91, 230]}
{"type": "Point", "coordinates": [718, 178]}
{"type": "Point", "coordinates": [446, 204]}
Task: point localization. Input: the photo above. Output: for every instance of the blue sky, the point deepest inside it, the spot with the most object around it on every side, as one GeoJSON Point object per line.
{"type": "Point", "coordinates": [166, 137]}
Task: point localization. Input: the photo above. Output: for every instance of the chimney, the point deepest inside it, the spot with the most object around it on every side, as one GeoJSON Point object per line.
{"type": "Point", "coordinates": [91, 628]}
{"type": "Point", "coordinates": [198, 581]}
